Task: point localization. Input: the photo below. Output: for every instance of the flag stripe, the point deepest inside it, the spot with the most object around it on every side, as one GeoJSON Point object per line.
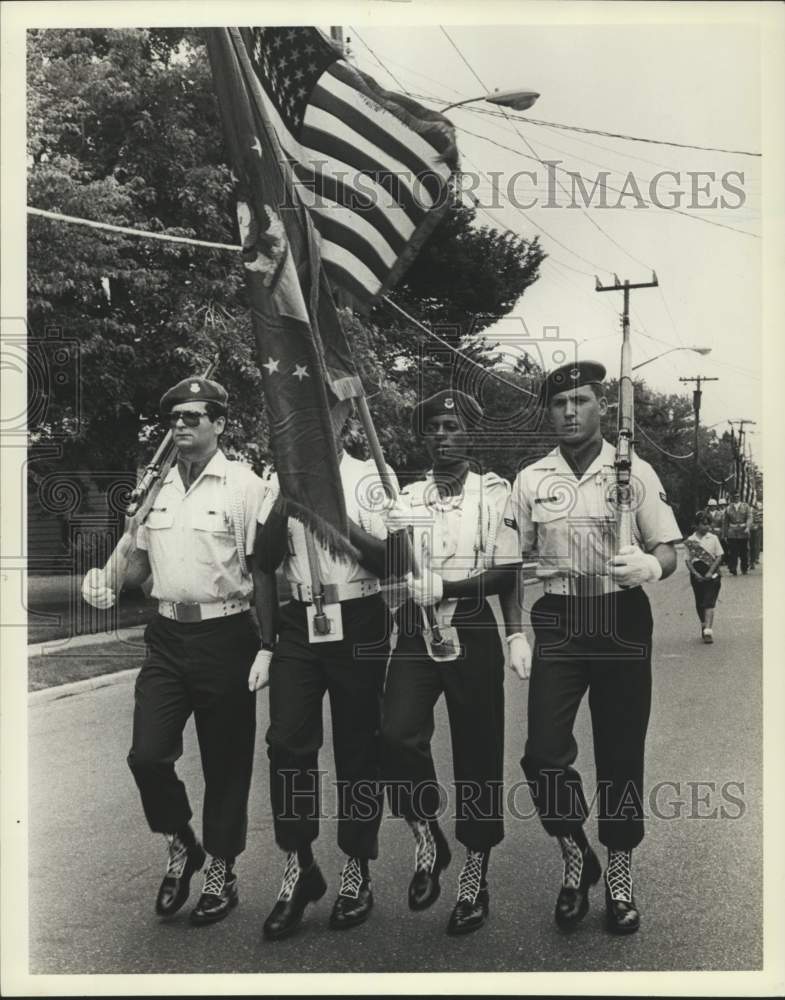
{"type": "Point", "coordinates": [341, 258]}
{"type": "Point", "coordinates": [310, 165]}
{"type": "Point", "coordinates": [339, 277]}
{"type": "Point", "coordinates": [343, 219]}
{"type": "Point", "coordinates": [331, 125]}
{"type": "Point", "coordinates": [382, 142]}
{"type": "Point", "coordinates": [339, 79]}
{"type": "Point", "coordinates": [328, 189]}
{"type": "Point", "coordinates": [333, 231]}
{"type": "Point", "coordinates": [371, 167]}
{"type": "Point", "coordinates": [360, 163]}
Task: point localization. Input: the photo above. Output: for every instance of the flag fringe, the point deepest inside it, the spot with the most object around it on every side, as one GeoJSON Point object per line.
{"type": "Point", "coordinates": [337, 544]}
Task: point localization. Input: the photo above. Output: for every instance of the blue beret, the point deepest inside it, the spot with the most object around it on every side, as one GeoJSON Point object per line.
{"type": "Point", "coordinates": [571, 376]}
{"type": "Point", "coordinates": [448, 401]}
{"type": "Point", "coordinates": [191, 390]}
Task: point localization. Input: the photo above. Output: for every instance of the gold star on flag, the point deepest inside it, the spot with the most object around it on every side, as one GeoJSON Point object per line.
{"type": "Point", "coordinates": [301, 372]}
{"type": "Point", "coordinates": [271, 366]}
{"type": "Point", "coordinates": [256, 145]}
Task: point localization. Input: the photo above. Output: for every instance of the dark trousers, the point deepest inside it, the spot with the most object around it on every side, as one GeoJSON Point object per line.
{"type": "Point", "coordinates": [738, 551]}
{"type": "Point", "coordinates": [473, 687]}
{"type": "Point", "coordinates": [200, 668]}
{"type": "Point", "coordinates": [755, 545]}
{"type": "Point", "coordinates": [603, 645]}
{"type": "Point", "coordinates": [706, 593]}
{"type": "Point", "coordinates": [352, 672]}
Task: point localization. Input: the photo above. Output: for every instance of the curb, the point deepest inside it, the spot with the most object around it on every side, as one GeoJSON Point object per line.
{"type": "Point", "coordinates": [79, 687]}
{"type": "Point", "coordinates": [78, 641]}
{"type": "Point", "coordinates": [101, 680]}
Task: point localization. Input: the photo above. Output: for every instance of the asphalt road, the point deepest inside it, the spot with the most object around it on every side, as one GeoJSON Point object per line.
{"type": "Point", "coordinates": [95, 868]}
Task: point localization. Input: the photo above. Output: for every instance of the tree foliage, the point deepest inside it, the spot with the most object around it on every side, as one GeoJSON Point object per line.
{"type": "Point", "coordinates": [123, 128]}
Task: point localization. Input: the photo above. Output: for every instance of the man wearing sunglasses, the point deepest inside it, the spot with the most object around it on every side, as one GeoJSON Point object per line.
{"type": "Point", "coordinates": [202, 648]}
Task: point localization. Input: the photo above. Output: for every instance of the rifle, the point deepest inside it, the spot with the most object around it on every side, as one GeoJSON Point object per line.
{"type": "Point", "coordinates": [626, 429]}
{"type": "Point", "coordinates": [141, 500]}
{"type": "Point", "coordinates": [626, 425]}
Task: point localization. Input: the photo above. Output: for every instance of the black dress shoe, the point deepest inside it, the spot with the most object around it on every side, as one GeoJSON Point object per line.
{"type": "Point", "coordinates": [219, 894]}
{"type": "Point", "coordinates": [174, 888]}
{"type": "Point", "coordinates": [424, 888]}
{"type": "Point", "coordinates": [572, 904]}
{"type": "Point", "coordinates": [469, 915]}
{"type": "Point", "coordinates": [622, 917]}
{"type": "Point", "coordinates": [299, 889]}
{"type": "Point", "coordinates": [354, 902]}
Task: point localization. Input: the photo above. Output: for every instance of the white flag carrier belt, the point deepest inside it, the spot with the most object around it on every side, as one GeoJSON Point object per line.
{"type": "Point", "coordinates": [474, 536]}
{"type": "Point", "coordinates": [182, 611]}
{"type": "Point", "coordinates": [334, 593]}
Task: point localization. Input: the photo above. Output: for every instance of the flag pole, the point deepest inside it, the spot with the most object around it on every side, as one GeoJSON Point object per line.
{"type": "Point", "coordinates": [381, 467]}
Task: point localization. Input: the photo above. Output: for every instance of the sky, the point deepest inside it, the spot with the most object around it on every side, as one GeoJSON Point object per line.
{"type": "Point", "coordinates": [697, 84]}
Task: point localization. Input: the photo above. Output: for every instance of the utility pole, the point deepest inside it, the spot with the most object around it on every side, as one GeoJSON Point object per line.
{"type": "Point", "coordinates": [738, 450]}
{"type": "Point", "coordinates": [625, 381]}
{"type": "Point", "coordinates": [696, 407]}
{"type": "Point", "coordinates": [336, 33]}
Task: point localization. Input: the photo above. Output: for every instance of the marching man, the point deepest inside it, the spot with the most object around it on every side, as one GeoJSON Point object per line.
{"type": "Point", "coordinates": [593, 632]}
{"type": "Point", "coordinates": [197, 542]}
{"type": "Point", "coordinates": [461, 517]}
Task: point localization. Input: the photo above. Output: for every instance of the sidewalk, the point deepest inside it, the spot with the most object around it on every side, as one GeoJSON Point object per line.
{"type": "Point", "coordinates": [79, 641]}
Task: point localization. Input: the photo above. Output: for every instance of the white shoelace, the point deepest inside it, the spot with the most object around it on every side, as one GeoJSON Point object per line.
{"type": "Point", "coordinates": [470, 879]}
{"type": "Point", "coordinates": [425, 848]}
{"type": "Point", "coordinates": [351, 879]}
{"type": "Point", "coordinates": [573, 863]}
{"type": "Point", "coordinates": [290, 875]}
{"type": "Point", "coordinates": [215, 877]}
{"type": "Point", "coordinates": [178, 855]}
{"type": "Point", "coordinates": [619, 876]}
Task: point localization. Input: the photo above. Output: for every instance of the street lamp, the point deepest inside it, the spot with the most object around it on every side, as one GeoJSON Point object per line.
{"type": "Point", "coordinates": [518, 100]}
{"type": "Point", "coordinates": [697, 350]}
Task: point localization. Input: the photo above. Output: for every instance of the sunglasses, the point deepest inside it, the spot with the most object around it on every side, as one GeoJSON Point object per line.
{"type": "Point", "coordinates": [190, 418]}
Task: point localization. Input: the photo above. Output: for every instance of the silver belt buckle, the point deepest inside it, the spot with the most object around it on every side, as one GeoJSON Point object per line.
{"type": "Point", "coordinates": [187, 612]}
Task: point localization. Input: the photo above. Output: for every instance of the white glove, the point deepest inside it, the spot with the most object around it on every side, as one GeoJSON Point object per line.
{"type": "Point", "coordinates": [632, 567]}
{"type": "Point", "coordinates": [520, 655]}
{"type": "Point", "coordinates": [259, 677]}
{"type": "Point", "coordinates": [398, 515]}
{"type": "Point", "coordinates": [426, 590]}
{"type": "Point", "coordinates": [95, 590]}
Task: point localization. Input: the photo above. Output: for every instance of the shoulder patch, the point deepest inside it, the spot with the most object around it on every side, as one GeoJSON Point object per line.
{"type": "Point", "coordinates": [511, 523]}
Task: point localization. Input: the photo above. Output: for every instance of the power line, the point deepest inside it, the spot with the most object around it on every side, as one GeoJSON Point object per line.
{"type": "Point", "coordinates": [535, 225]}
{"type": "Point", "coordinates": [524, 139]}
{"type": "Point", "coordinates": [534, 151]}
{"type": "Point", "coordinates": [389, 72]}
{"type": "Point", "coordinates": [654, 444]}
{"type": "Point", "coordinates": [463, 57]}
{"type": "Point", "coordinates": [638, 138]}
{"type": "Point", "coordinates": [447, 344]}
{"type": "Point", "coordinates": [521, 136]}
{"type": "Point", "coordinates": [573, 173]}
{"type": "Point", "coordinates": [611, 135]}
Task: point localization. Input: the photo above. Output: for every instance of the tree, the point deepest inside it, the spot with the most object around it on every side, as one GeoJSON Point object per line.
{"type": "Point", "coordinates": [123, 128]}
{"type": "Point", "coordinates": [664, 438]}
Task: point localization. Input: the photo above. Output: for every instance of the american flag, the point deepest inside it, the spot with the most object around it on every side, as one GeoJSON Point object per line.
{"type": "Point", "coordinates": [372, 167]}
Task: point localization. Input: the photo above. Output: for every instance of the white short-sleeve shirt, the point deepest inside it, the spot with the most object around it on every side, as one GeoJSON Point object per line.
{"type": "Point", "coordinates": [705, 549]}
{"type": "Point", "coordinates": [571, 522]}
{"type": "Point", "coordinates": [189, 534]}
{"type": "Point", "coordinates": [467, 533]}
{"type": "Point", "coordinates": [365, 500]}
